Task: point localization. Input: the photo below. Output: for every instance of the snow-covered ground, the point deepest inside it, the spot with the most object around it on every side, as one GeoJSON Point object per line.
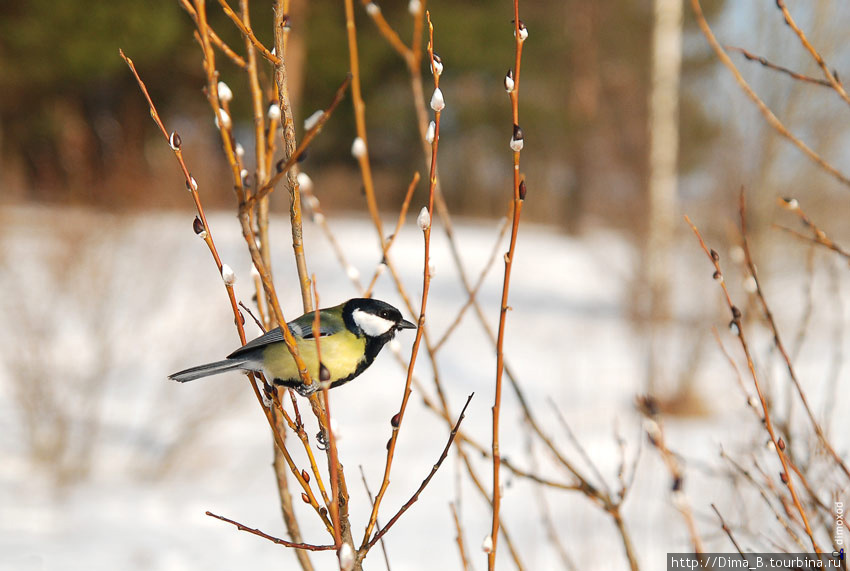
{"type": "Point", "coordinates": [108, 465]}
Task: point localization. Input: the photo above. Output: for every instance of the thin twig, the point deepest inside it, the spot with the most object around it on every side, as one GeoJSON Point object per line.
{"type": "Point", "coordinates": [226, 50]}
{"type": "Point", "coordinates": [655, 432]}
{"type": "Point", "coordinates": [768, 424]}
{"type": "Point", "coordinates": [766, 63]}
{"type": "Point", "coordinates": [518, 193]}
{"type": "Point", "coordinates": [360, 120]}
{"type": "Point", "coordinates": [426, 282]}
{"type": "Point", "coordinates": [402, 214]}
{"type": "Point", "coordinates": [728, 531]}
{"type": "Point", "coordinates": [459, 537]}
{"type": "Point", "coordinates": [768, 115]}
{"type": "Point", "coordinates": [831, 76]}
{"type": "Point", "coordinates": [284, 167]}
{"type": "Point", "coordinates": [427, 479]}
{"type": "Point", "coordinates": [377, 523]}
{"type": "Point", "coordinates": [777, 339]}
{"type": "Point", "coordinates": [245, 28]}
{"type": "Point", "coordinates": [279, 541]}
{"type": "Point", "coordinates": [473, 293]}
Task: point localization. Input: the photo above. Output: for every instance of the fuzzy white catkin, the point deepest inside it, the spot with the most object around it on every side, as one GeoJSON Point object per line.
{"type": "Point", "coordinates": [431, 132]}
{"type": "Point", "coordinates": [225, 94]}
{"type": "Point", "coordinates": [193, 184]}
{"type": "Point", "coordinates": [438, 66]}
{"type": "Point", "coordinates": [305, 183]}
{"type": "Point", "coordinates": [487, 544]}
{"type": "Point", "coordinates": [438, 103]}
{"type": "Point", "coordinates": [373, 9]}
{"type": "Point", "coordinates": [313, 119]}
{"type": "Point", "coordinates": [346, 557]}
{"type": "Point", "coordinates": [240, 150]}
{"type": "Point", "coordinates": [227, 275]}
{"type": "Point", "coordinates": [523, 32]}
{"type": "Point", "coordinates": [509, 83]}
{"type": "Point", "coordinates": [223, 120]}
{"type": "Point", "coordinates": [516, 145]}
{"type": "Point", "coordinates": [274, 112]}
{"type": "Point", "coordinates": [337, 429]}
{"type": "Point", "coordinates": [424, 218]}
{"type": "Point", "coordinates": [352, 272]}
{"type": "Point", "coordinates": [737, 254]}
{"type": "Point", "coordinates": [652, 428]}
{"type": "Point", "coordinates": [414, 6]}
{"type": "Point", "coordinates": [358, 148]}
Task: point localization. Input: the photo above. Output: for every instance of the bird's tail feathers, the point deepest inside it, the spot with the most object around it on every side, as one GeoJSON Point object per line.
{"type": "Point", "coordinates": [209, 369]}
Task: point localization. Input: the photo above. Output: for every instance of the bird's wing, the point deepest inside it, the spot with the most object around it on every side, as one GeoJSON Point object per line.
{"type": "Point", "coordinates": [273, 336]}
{"type": "Point", "coordinates": [300, 327]}
{"type": "Point", "coordinates": [329, 323]}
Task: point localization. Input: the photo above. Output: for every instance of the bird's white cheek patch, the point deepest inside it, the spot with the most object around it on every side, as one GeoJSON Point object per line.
{"type": "Point", "coordinates": [372, 325]}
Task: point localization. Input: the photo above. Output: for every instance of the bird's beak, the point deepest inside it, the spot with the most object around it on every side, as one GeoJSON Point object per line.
{"type": "Point", "coordinates": [405, 324]}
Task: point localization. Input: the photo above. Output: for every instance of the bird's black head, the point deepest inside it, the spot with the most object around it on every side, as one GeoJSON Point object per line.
{"type": "Point", "coordinates": [373, 318]}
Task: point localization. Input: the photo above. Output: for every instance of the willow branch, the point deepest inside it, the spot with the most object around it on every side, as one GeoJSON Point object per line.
{"type": "Point", "coordinates": [768, 115]}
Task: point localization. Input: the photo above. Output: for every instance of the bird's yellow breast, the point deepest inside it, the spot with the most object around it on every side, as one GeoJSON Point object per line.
{"type": "Point", "coordinates": [341, 353]}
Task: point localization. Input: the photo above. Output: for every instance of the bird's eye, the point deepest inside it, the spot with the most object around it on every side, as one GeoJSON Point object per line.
{"type": "Point", "coordinates": [384, 313]}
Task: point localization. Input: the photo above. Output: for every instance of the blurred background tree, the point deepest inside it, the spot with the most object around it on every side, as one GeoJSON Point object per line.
{"type": "Point", "coordinates": [72, 132]}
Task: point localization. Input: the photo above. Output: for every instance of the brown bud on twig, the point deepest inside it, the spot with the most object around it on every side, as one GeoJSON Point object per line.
{"type": "Point", "coordinates": [438, 65]}
{"type": "Point", "coordinates": [523, 31]}
{"type": "Point", "coordinates": [517, 139]}
{"type": "Point", "coordinates": [781, 444]}
{"type": "Point", "coordinates": [198, 226]}
{"type": "Point", "coordinates": [390, 441]}
{"type": "Point", "coordinates": [715, 256]}
{"type": "Point", "coordinates": [736, 313]}
{"type": "Point", "coordinates": [175, 141]}
{"type": "Point", "coordinates": [790, 203]}
{"type": "Point", "coordinates": [784, 477]}
{"type": "Point", "coordinates": [280, 164]}
{"type": "Point", "coordinates": [677, 483]}
{"type": "Point", "coordinates": [522, 190]}
{"type": "Point", "coordinates": [394, 421]}
{"type": "Point", "coordinates": [323, 510]}
{"type": "Point", "coordinates": [305, 475]}
{"type": "Point", "coordinates": [717, 275]}
{"type": "Point", "coordinates": [305, 498]}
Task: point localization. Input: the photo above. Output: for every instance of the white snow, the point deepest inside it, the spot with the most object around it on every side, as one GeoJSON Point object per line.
{"type": "Point", "coordinates": [140, 299]}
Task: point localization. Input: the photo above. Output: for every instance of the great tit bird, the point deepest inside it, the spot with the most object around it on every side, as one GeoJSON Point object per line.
{"type": "Point", "coordinates": [350, 337]}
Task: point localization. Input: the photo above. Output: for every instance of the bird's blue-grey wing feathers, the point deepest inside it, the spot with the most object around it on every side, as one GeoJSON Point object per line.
{"type": "Point", "coordinates": [300, 327]}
